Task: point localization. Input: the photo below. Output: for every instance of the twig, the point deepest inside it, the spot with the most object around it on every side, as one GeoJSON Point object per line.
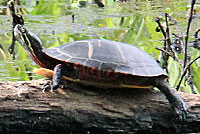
{"type": "Point", "coordinates": [196, 43]}
{"type": "Point", "coordinates": [170, 54]}
{"type": "Point", "coordinates": [165, 57]}
{"type": "Point", "coordinates": [196, 33]}
{"type": "Point", "coordinates": [190, 80]}
{"type": "Point", "coordinates": [185, 66]}
{"type": "Point", "coordinates": [157, 19]}
{"type": "Point", "coordinates": [167, 33]}
{"type": "Point", "coordinates": [187, 33]}
{"type": "Point", "coordinates": [185, 71]}
{"type": "Point", "coordinates": [193, 61]}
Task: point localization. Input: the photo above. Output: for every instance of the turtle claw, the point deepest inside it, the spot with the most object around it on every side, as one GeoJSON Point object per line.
{"type": "Point", "coordinates": [182, 114]}
{"type": "Point", "coordinates": [181, 110]}
{"type": "Point", "coordinates": [53, 89]}
{"type": "Point", "coordinates": [46, 86]}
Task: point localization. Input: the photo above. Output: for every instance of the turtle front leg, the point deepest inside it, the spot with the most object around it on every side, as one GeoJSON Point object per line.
{"type": "Point", "coordinates": [57, 76]}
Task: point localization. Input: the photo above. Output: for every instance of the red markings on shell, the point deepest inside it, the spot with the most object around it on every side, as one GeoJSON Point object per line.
{"type": "Point", "coordinates": [92, 69]}
{"type": "Point", "coordinates": [75, 65]}
{"type": "Point", "coordinates": [125, 73]}
{"type": "Point", "coordinates": [108, 72]}
{"type": "Point", "coordinates": [83, 67]}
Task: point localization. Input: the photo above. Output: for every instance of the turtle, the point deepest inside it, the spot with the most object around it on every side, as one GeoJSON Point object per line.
{"type": "Point", "coordinates": [101, 63]}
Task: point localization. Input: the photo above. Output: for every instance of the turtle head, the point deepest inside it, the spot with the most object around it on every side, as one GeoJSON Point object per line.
{"type": "Point", "coordinates": [27, 39]}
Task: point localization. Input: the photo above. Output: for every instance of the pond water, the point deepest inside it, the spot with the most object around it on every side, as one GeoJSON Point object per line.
{"type": "Point", "coordinates": [130, 22]}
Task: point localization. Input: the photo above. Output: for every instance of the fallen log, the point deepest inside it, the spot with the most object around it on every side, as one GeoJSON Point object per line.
{"type": "Point", "coordinates": [24, 108]}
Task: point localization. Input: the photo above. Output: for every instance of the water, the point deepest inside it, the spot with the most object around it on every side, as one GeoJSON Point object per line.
{"type": "Point", "coordinates": [131, 22]}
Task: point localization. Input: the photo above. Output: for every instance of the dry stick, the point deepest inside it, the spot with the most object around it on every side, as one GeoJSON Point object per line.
{"type": "Point", "coordinates": [167, 33]}
{"type": "Point", "coordinates": [187, 33]}
{"type": "Point", "coordinates": [196, 43]}
{"type": "Point", "coordinates": [168, 42]}
{"type": "Point", "coordinates": [170, 54]}
{"type": "Point", "coordinates": [157, 19]}
{"type": "Point", "coordinates": [190, 81]}
{"type": "Point", "coordinates": [196, 34]}
{"type": "Point", "coordinates": [185, 71]}
{"type": "Point", "coordinates": [193, 61]}
{"type": "Point", "coordinates": [186, 45]}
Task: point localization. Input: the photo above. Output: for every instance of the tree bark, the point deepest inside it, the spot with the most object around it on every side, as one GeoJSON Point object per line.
{"type": "Point", "coordinates": [24, 108]}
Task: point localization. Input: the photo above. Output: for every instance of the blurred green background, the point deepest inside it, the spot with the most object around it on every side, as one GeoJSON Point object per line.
{"type": "Point", "coordinates": [130, 22]}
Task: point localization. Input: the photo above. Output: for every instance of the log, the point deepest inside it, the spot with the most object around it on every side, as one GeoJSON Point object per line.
{"type": "Point", "coordinates": [25, 108]}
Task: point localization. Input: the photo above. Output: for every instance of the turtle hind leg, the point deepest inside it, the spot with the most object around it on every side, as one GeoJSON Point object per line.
{"type": "Point", "coordinates": [177, 103]}
{"type": "Point", "coordinates": [57, 76]}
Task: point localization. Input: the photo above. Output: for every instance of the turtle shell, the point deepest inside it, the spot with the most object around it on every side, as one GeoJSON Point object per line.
{"type": "Point", "coordinates": [107, 55]}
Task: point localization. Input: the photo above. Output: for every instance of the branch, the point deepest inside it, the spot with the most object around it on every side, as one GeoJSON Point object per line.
{"type": "Point", "coordinates": [187, 33]}
{"type": "Point", "coordinates": [196, 34]}
{"type": "Point", "coordinates": [185, 66]}
{"type": "Point", "coordinates": [165, 57]}
{"type": "Point", "coordinates": [185, 71]}
{"type": "Point", "coordinates": [167, 34]}
{"type": "Point", "coordinates": [157, 19]}
{"type": "Point", "coordinates": [170, 54]}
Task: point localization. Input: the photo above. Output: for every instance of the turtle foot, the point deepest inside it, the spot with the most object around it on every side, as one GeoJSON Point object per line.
{"type": "Point", "coordinates": [181, 109]}
{"type": "Point", "coordinates": [178, 105]}
{"type": "Point", "coordinates": [46, 86]}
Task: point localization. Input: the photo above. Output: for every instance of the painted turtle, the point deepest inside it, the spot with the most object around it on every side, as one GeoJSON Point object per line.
{"type": "Point", "coordinates": [99, 62]}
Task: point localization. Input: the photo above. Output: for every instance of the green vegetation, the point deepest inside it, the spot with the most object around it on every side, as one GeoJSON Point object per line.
{"type": "Point", "coordinates": [131, 22]}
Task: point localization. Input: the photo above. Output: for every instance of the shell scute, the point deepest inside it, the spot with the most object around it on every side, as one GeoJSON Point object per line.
{"type": "Point", "coordinates": [108, 55]}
